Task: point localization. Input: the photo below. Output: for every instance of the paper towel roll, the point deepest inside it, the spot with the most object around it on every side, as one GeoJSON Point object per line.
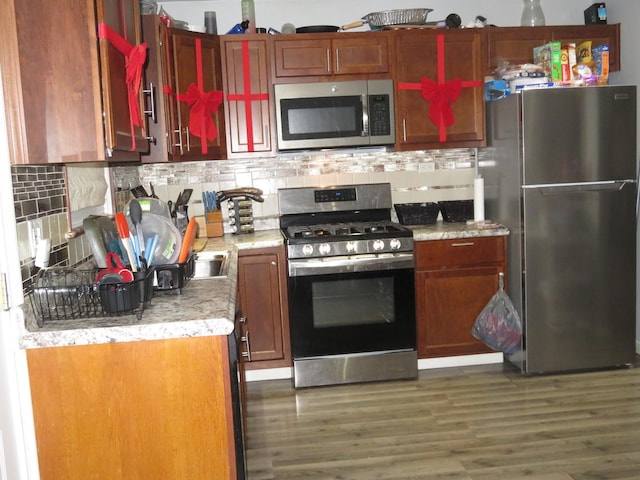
{"type": "Point", "coordinates": [478, 199]}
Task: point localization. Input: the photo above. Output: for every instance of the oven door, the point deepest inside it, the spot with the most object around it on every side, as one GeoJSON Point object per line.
{"type": "Point", "coordinates": [352, 312]}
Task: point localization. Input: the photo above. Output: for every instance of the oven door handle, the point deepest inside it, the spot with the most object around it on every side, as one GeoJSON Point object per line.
{"type": "Point", "coordinates": [348, 264]}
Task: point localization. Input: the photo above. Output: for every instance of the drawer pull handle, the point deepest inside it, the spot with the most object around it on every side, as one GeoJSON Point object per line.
{"type": "Point", "coordinates": [465, 244]}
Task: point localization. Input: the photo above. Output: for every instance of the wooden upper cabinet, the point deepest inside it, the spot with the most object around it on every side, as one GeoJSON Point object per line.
{"type": "Point", "coordinates": [188, 65]}
{"type": "Point", "coordinates": [248, 103]}
{"type": "Point", "coordinates": [333, 54]}
{"type": "Point", "coordinates": [441, 56]}
{"type": "Point", "coordinates": [123, 18]}
{"type": "Point", "coordinates": [66, 94]}
{"type": "Point", "coordinates": [515, 44]}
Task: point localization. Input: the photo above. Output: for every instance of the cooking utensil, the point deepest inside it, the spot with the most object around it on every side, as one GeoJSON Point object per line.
{"type": "Point", "coordinates": [187, 241]}
{"type": "Point", "coordinates": [317, 29]}
{"type": "Point", "coordinates": [115, 270]}
{"type": "Point", "coordinates": [123, 229]}
{"type": "Point", "coordinates": [139, 191]}
{"type": "Point", "coordinates": [406, 16]}
{"type": "Point", "coordinates": [186, 195]}
{"type": "Point", "coordinates": [153, 191]}
{"type": "Point", "coordinates": [135, 211]}
{"type": "Point", "coordinates": [249, 192]}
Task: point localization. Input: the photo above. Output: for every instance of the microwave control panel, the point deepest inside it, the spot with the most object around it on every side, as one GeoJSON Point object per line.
{"type": "Point", "coordinates": [379, 115]}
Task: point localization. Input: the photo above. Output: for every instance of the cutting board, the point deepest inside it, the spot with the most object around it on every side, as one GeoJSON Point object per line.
{"type": "Point", "coordinates": [199, 244]}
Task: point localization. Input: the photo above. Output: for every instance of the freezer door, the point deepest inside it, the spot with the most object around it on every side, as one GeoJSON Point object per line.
{"type": "Point", "coordinates": [579, 276]}
{"type": "Point", "coordinates": [578, 134]}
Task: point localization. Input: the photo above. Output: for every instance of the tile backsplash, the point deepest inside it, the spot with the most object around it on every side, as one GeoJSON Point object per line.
{"type": "Point", "coordinates": [418, 176]}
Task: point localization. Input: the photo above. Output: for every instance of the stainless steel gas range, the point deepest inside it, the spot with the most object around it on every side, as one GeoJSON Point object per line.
{"type": "Point", "coordinates": [350, 285]}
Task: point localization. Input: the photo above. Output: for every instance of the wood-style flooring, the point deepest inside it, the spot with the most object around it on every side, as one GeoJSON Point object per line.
{"type": "Point", "coordinates": [484, 422]}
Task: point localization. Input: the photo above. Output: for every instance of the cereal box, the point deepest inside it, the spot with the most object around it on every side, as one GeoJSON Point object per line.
{"type": "Point", "coordinates": [549, 56]}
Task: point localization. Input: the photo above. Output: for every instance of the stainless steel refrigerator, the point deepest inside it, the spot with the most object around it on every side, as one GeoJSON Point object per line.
{"type": "Point", "coordinates": [560, 171]}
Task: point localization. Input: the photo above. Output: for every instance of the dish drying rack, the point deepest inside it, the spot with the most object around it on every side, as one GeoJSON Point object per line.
{"type": "Point", "coordinates": [61, 293]}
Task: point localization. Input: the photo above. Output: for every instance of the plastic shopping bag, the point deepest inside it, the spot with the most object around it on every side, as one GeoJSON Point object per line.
{"type": "Point", "coordinates": [499, 325]}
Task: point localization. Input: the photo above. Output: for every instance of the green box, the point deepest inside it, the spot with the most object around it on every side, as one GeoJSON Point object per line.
{"type": "Point", "coordinates": [549, 56]}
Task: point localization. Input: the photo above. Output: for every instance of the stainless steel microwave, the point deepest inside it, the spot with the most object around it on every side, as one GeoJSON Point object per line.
{"type": "Point", "coordinates": [335, 114]}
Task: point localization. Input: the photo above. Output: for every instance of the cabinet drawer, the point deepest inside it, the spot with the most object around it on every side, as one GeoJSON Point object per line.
{"type": "Point", "coordinates": [460, 251]}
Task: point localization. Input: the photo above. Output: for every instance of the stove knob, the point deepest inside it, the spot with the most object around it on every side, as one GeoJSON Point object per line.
{"type": "Point", "coordinates": [307, 249]}
{"type": "Point", "coordinates": [395, 244]}
{"type": "Point", "coordinates": [325, 249]}
{"type": "Point", "coordinates": [352, 247]}
{"type": "Point", "coordinates": [378, 245]}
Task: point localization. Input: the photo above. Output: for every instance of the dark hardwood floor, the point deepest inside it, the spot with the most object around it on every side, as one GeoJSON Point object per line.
{"type": "Point", "coordinates": [465, 423]}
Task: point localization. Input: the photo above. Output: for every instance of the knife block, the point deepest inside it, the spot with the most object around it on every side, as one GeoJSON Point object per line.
{"type": "Point", "coordinates": [214, 224]}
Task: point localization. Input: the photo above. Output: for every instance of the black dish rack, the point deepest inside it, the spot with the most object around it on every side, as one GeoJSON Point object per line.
{"type": "Point", "coordinates": [417, 213]}
{"type": "Point", "coordinates": [75, 295]}
{"type": "Point", "coordinates": [456, 210]}
{"type": "Point", "coordinates": [174, 276]}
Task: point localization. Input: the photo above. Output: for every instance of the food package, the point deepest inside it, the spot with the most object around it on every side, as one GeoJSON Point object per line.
{"type": "Point", "coordinates": [549, 56]}
{"type": "Point", "coordinates": [569, 60]}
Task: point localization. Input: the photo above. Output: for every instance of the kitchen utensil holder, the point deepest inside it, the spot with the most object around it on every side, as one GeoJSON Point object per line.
{"type": "Point", "coordinates": [214, 224]}
{"type": "Point", "coordinates": [88, 299]}
{"type": "Point", "coordinates": [417, 213]}
{"type": "Point", "coordinates": [456, 210]}
{"type": "Point", "coordinates": [241, 215]}
{"type": "Point", "coordinates": [174, 276]}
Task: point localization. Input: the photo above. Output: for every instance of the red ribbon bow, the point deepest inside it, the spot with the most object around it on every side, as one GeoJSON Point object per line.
{"type": "Point", "coordinates": [135, 56]}
{"type": "Point", "coordinates": [202, 106]}
{"type": "Point", "coordinates": [440, 98]}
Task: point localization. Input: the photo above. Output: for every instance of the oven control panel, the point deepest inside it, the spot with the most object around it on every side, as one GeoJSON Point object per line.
{"type": "Point", "coordinates": [350, 247]}
{"type": "Point", "coordinates": [335, 195]}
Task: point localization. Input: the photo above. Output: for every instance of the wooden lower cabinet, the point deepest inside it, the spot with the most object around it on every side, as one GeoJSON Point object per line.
{"type": "Point", "coordinates": [137, 410]}
{"type": "Point", "coordinates": [262, 295]}
{"type": "Point", "coordinates": [454, 281]}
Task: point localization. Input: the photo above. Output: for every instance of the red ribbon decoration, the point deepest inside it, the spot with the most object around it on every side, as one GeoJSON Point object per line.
{"type": "Point", "coordinates": [440, 94]}
{"type": "Point", "coordinates": [135, 56]}
{"type": "Point", "coordinates": [202, 104]}
{"type": "Point", "coordinates": [247, 96]}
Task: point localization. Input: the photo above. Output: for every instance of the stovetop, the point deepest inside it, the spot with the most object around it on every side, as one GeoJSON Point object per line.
{"type": "Point", "coordinates": [341, 220]}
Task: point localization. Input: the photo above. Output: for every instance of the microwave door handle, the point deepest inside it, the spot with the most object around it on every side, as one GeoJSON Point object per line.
{"type": "Point", "coordinates": [365, 116]}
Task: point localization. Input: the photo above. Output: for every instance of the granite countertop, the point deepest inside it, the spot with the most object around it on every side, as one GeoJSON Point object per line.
{"type": "Point", "coordinates": [204, 307]}
{"type": "Point", "coordinates": [443, 231]}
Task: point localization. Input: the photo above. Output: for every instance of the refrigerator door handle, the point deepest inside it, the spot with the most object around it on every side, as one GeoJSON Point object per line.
{"type": "Point", "coordinates": [579, 187]}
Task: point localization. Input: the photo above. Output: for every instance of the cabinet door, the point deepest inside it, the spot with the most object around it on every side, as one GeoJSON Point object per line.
{"type": "Point", "coordinates": [515, 44]}
{"type": "Point", "coordinates": [598, 34]}
{"type": "Point", "coordinates": [455, 279]}
{"type": "Point", "coordinates": [53, 84]}
{"type": "Point", "coordinates": [262, 291]}
{"type": "Point", "coordinates": [299, 58]}
{"type": "Point", "coordinates": [361, 54]}
{"type": "Point", "coordinates": [332, 55]}
{"type": "Point", "coordinates": [120, 133]}
{"type": "Point", "coordinates": [247, 104]}
{"type": "Point", "coordinates": [197, 67]}
{"type": "Point", "coordinates": [459, 58]}
{"type": "Point", "coordinates": [158, 72]}
{"type": "Point", "coordinates": [144, 410]}
{"type": "Point", "coordinates": [447, 303]}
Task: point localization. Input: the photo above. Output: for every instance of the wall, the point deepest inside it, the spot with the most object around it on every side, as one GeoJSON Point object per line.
{"type": "Point", "coordinates": [274, 13]}
{"type": "Point", "coordinates": [39, 198]}
{"type": "Point", "coordinates": [618, 11]}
